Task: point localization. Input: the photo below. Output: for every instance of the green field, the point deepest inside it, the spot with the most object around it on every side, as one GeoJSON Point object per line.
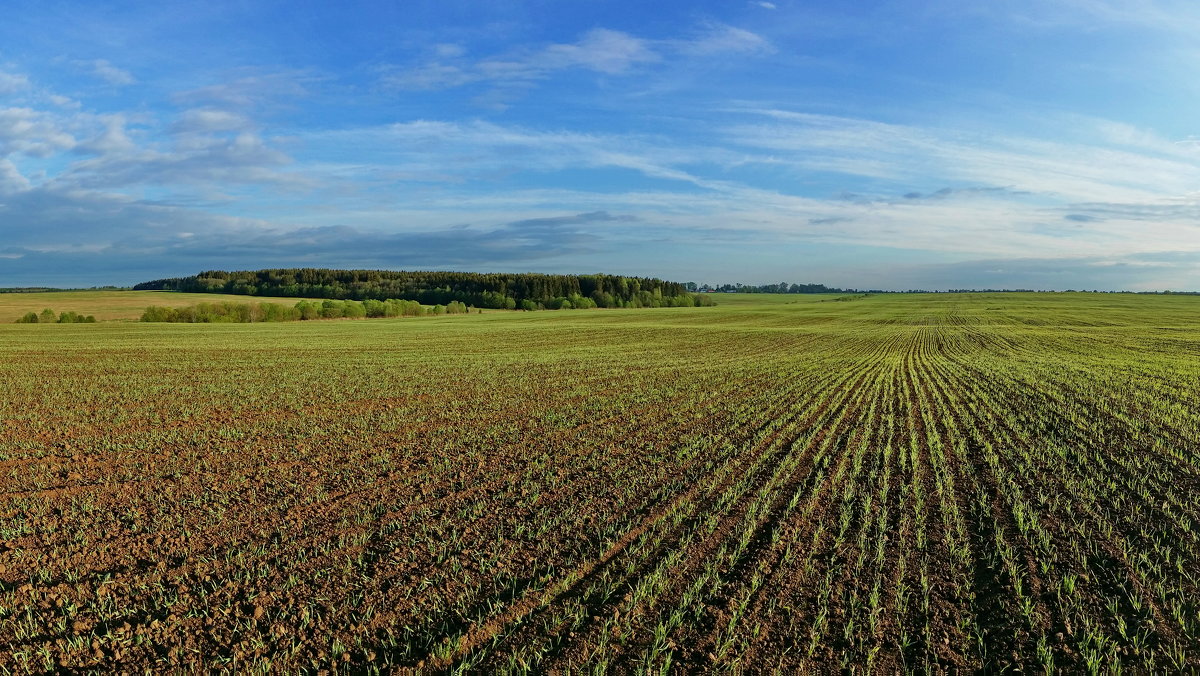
{"type": "Point", "coordinates": [780, 483]}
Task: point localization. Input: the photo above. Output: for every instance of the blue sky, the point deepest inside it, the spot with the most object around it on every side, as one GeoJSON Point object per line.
{"type": "Point", "coordinates": [934, 144]}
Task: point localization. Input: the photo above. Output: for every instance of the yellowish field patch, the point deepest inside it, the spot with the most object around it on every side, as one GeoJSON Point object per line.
{"type": "Point", "coordinates": [112, 305]}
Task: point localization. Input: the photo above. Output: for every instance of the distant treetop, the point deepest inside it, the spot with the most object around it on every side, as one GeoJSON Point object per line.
{"type": "Point", "coordinates": [491, 290]}
{"type": "Point", "coordinates": [781, 287]}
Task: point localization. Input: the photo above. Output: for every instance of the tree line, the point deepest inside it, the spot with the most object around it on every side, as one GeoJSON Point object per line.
{"type": "Point", "coordinates": [231, 312]}
{"type": "Point", "coordinates": [526, 291]}
{"type": "Point", "coordinates": [55, 289]}
{"type": "Point", "coordinates": [48, 316]}
{"type": "Point", "coordinates": [781, 287]}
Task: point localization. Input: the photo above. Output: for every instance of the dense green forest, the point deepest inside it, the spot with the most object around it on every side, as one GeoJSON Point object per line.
{"type": "Point", "coordinates": [526, 291]}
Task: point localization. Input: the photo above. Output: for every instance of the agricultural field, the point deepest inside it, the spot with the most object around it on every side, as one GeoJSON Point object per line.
{"type": "Point", "coordinates": [113, 305]}
{"type": "Point", "coordinates": [780, 483]}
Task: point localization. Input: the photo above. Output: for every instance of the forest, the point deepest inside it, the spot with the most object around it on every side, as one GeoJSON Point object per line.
{"type": "Point", "coordinates": [525, 291]}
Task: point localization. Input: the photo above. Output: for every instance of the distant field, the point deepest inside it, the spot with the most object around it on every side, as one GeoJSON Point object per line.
{"type": "Point", "coordinates": [112, 305]}
{"type": "Point", "coordinates": [970, 482]}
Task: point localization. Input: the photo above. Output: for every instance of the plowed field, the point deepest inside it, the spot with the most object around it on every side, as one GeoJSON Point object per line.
{"type": "Point", "coordinates": [921, 482]}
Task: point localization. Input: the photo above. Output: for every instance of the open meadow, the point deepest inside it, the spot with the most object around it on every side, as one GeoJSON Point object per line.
{"type": "Point", "coordinates": [895, 482]}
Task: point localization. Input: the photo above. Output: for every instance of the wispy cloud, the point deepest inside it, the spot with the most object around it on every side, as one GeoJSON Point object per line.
{"type": "Point", "coordinates": [209, 120]}
{"type": "Point", "coordinates": [1164, 16]}
{"type": "Point", "coordinates": [722, 39]}
{"type": "Point", "coordinates": [245, 158]}
{"type": "Point", "coordinates": [11, 180]}
{"type": "Point", "coordinates": [11, 83]}
{"type": "Point", "coordinates": [111, 140]}
{"type": "Point", "coordinates": [1147, 168]}
{"type": "Point", "coordinates": [251, 88]}
{"type": "Point", "coordinates": [111, 74]}
{"type": "Point", "coordinates": [600, 50]}
{"type": "Point", "coordinates": [1002, 196]}
{"type": "Point", "coordinates": [103, 70]}
{"type": "Point", "coordinates": [467, 150]}
{"type": "Point", "coordinates": [99, 152]}
{"type": "Point", "coordinates": [31, 132]}
{"type": "Point", "coordinates": [931, 189]}
{"type": "Point", "coordinates": [1007, 197]}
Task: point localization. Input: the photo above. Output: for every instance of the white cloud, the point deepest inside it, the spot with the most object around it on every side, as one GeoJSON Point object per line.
{"type": "Point", "coordinates": [32, 133]}
{"type": "Point", "coordinates": [1099, 189]}
{"type": "Point", "coordinates": [1168, 18]}
{"type": "Point", "coordinates": [430, 76]}
{"type": "Point", "coordinates": [449, 50]}
{"type": "Point", "coordinates": [244, 159]}
{"type": "Point", "coordinates": [112, 139]}
{"type": "Point", "coordinates": [11, 179]}
{"type": "Point", "coordinates": [250, 88]}
{"type": "Point", "coordinates": [935, 189]}
{"type": "Point", "coordinates": [600, 50]}
{"type": "Point", "coordinates": [426, 147]}
{"type": "Point", "coordinates": [1146, 168]}
{"type": "Point", "coordinates": [11, 83]}
{"type": "Point", "coordinates": [1165, 15]}
{"type": "Point", "coordinates": [723, 39]}
{"type": "Point", "coordinates": [106, 71]}
{"type": "Point", "coordinates": [207, 120]}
